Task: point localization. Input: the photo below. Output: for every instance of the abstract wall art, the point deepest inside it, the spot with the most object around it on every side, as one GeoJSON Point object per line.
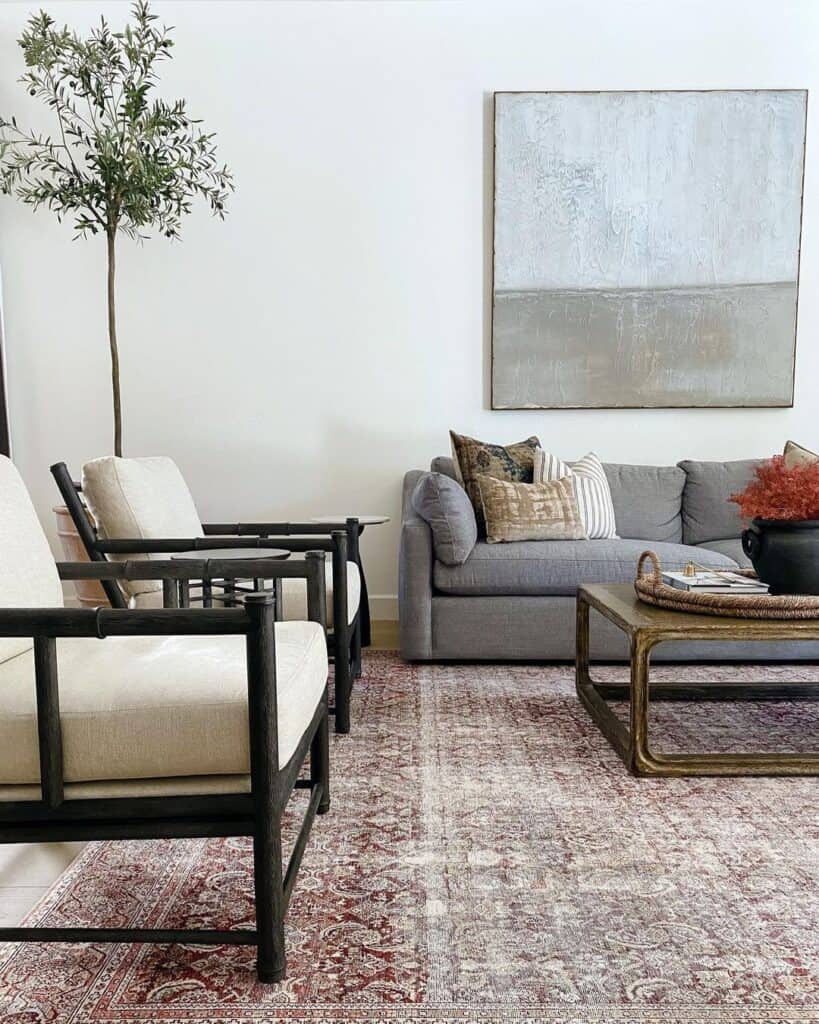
{"type": "Point", "coordinates": [646, 248]}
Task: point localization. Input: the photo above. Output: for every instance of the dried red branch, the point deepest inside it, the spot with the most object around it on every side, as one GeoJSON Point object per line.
{"type": "Point", "coordinates": [777, 492]}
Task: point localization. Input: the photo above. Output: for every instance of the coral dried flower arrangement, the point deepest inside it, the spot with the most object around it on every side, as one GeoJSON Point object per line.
{"type": "Point", "coordinates": [781, 493]}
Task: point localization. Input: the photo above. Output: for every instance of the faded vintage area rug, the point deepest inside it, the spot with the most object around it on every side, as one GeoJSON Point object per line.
{"type": "Point", "coordinates": [487, 859]}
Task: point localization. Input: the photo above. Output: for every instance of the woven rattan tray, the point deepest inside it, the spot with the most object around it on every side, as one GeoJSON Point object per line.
{"type": "Point", "coordinates": [651, 589]}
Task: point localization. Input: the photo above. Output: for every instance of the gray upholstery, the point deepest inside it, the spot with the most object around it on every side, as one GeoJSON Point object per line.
{"type": "Point", "coordinates": [647, 501]}
{"type": "Point", "coordinates": [536, 622]}
{"type": "Point", "coordinates": [415, 559]}
{"type": "Point", "coordinates": [444, 504]}
{"type": "Point", "coordinates": [443, 464]}
{"type": "Point", "coordinates": [533, 567]}
{"type": "Point", "coordinates": [707, 512]}
{"type": "Point", "coordinates": [732, 548]}
{"type": "Point", "coordinates": [543, 629]}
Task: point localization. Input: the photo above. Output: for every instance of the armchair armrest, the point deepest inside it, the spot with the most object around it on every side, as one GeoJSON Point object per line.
{"type": "Point", "coordinates": [278, 529]}
{"type": "Point", "coordinates": [184, 569]}
{"type": "Point", "coordinates": [414, 578]}
{"type": "Point", "coordinates": [103, 622]}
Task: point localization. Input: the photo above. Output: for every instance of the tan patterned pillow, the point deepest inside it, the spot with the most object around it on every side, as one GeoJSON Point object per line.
{"type": "Point", "coordinates": [796, 455]}
{"type": "Point", "coordinates": [475, 458]}
{"type": "Point", "coordinates": [546, 511]}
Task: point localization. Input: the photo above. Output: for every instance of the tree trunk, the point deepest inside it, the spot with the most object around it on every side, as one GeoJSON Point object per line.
{"type": "Point", "coordinates": [112, 340]}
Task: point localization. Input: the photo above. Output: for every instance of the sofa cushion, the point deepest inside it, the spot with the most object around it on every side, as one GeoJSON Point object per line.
{"type": "Point", "coordinates": [560, 566]}
{"type": "Point", "coordinates": [154, 707]}
{"type": "Point", "coordinates": [591, 489]}
{"type": "Point", "coordinates": [540, 511]}
{"type": "Point", "coordinates": [444, 464]}
{"type": "Point", "coordinates": [647, 500]}
{"type": "Point", "coordinates": [474, 458]}
{"type": "Point", "coordinates": [797, 455]}
{"type": "Point", "coordinates": [445, 506]}
{"type": "Point", "coordinates": [28, 575]}
{"type": "Point", "coordinates": [707, 511]}
{"type": "Point", "coordinates": [732, 547]}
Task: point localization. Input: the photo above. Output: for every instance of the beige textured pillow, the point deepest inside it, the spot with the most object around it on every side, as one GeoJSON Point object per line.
{"type": "Point", "coordinates": [544, 511]}
{"type": "Point", "coordinates": [796, 455]}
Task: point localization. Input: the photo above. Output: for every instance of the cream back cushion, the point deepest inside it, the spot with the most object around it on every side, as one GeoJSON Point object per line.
{"type": "Point", "coordinates": [28, 575]}
{"type": "Point", "coordinates": [140, 499]}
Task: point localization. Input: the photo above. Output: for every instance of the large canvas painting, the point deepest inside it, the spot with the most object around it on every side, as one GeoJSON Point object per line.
{"type": "Point", "coordinates": [646, 248]}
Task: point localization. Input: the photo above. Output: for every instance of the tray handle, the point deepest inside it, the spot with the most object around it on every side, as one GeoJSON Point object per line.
{"type": "Point", "coordinates": [650, 556]}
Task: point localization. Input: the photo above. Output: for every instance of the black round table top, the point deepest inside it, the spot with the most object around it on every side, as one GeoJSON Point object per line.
{"type": "Point", "coordinates": [239, 553]}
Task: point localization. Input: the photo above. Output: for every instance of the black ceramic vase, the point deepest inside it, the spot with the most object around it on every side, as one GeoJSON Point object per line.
{"type": "Point", "coordinates": [785, 554]}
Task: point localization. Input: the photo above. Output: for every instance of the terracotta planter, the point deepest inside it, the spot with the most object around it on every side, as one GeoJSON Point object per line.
{"type": "Point", "coordinates": [89, 592]}
{"type": "Point", "coordinates": [785, 554]}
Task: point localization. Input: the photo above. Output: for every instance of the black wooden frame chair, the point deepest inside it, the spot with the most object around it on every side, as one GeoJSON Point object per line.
{"type": "Point", "coordinates": [257, 814]}
{"type": "Point", "coordinates": [341, 539]}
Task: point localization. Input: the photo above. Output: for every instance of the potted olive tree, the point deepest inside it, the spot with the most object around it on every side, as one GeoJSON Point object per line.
{"type": "Point", "coordinates": [120, 160]}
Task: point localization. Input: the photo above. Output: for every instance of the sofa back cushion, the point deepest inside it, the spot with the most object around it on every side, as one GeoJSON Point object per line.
{"type": "Point", "coordinates": [28, 575]}
{"type": "Point", "coordinates": [444, 464]}
{"type": "Point", "coordinates": [140, 499]}
{"type": "Point", "coordinates": [446, 507]}
{"type": "Point", "coordinates": [647, 501]}
{"type": "Point", "coordinates": [707, 511]}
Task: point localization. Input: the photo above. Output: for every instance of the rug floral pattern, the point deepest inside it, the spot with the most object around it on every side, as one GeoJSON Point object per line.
{"type": "Point", "coordinates": [487, 859]}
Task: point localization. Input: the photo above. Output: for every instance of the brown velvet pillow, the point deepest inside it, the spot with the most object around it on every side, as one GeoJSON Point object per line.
{"type": "Point", "coordinates": [473, 458]}
{"type": "Point", "coordinates": [546, 511]}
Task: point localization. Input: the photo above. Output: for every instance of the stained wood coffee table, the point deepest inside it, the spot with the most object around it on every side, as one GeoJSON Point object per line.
{"type": "Point", "coordinates": [646, 626]}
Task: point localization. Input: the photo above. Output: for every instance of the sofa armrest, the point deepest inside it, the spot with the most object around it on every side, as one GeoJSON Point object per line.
{"type": "Point", "coordinates": [415, 560]}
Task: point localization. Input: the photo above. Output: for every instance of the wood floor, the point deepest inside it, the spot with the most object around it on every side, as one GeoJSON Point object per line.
{"type": "Point", "coordinates": [29, 870]}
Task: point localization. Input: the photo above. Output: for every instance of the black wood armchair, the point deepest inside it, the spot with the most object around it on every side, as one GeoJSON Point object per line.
{"type": "Point", "coordinates": [134, 532]}
{"type": "Point", "coordinates": [81, 756]}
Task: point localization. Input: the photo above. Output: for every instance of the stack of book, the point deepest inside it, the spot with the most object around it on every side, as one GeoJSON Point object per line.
{"type": "Point", "coordinates": [715, 583]}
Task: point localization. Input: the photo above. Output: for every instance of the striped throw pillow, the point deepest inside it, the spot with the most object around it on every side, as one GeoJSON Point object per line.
{"type": "Point", "coordinates": [591, 489]}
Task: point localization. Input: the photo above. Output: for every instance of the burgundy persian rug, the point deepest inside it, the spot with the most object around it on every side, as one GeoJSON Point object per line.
{"type": "Point", "coordinates": [487, 859]}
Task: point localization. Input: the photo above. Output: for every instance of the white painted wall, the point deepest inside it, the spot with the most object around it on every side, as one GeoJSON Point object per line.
{"type": "Point", "coordinates": [299, 357]}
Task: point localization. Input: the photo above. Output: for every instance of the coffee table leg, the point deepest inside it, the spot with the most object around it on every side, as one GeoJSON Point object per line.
{"type": "Point", "coordinates": [605, 719]}
{"type": "Point", "coordinates": [639, 759]}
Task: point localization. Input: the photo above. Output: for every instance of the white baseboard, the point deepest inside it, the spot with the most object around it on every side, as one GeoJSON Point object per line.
{"type": "Point", "coordinates": [384, 607]}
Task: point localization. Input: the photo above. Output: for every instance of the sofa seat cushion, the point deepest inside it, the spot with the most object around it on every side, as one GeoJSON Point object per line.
{"type": "Point", "coordinates": [157, 707]}
{"type": "Point", "coordinates": [533, 568]}
{"type": "Point", "coordinates": [732, 547]}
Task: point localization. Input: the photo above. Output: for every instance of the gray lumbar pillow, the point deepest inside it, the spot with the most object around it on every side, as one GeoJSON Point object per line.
{"type": "Point", "coordinates": [444, 504]}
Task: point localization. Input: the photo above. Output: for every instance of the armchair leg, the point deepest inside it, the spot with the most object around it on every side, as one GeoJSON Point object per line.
{"type": "Point", "coordinates": [344, 681]}
{"type": "Point", "coordinates": [270, 900]}
{"type": "Point", "coordinates": [320, 763]}
{"type": "Point", "coordinates": [355, 647]}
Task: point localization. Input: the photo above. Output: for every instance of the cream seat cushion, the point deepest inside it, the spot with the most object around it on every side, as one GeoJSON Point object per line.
{"type": "Point", "coordinates": [294, 596]}
{"type": "Point", "coordinates": [157, 707]}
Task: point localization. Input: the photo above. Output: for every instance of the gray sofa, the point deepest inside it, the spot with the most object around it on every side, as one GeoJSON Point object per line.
{"type": "Point", "coordinates": [517, 601]}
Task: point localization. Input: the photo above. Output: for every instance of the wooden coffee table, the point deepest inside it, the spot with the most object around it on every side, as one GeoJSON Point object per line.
{"type": "Point", "coordinates": [646, 626]}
